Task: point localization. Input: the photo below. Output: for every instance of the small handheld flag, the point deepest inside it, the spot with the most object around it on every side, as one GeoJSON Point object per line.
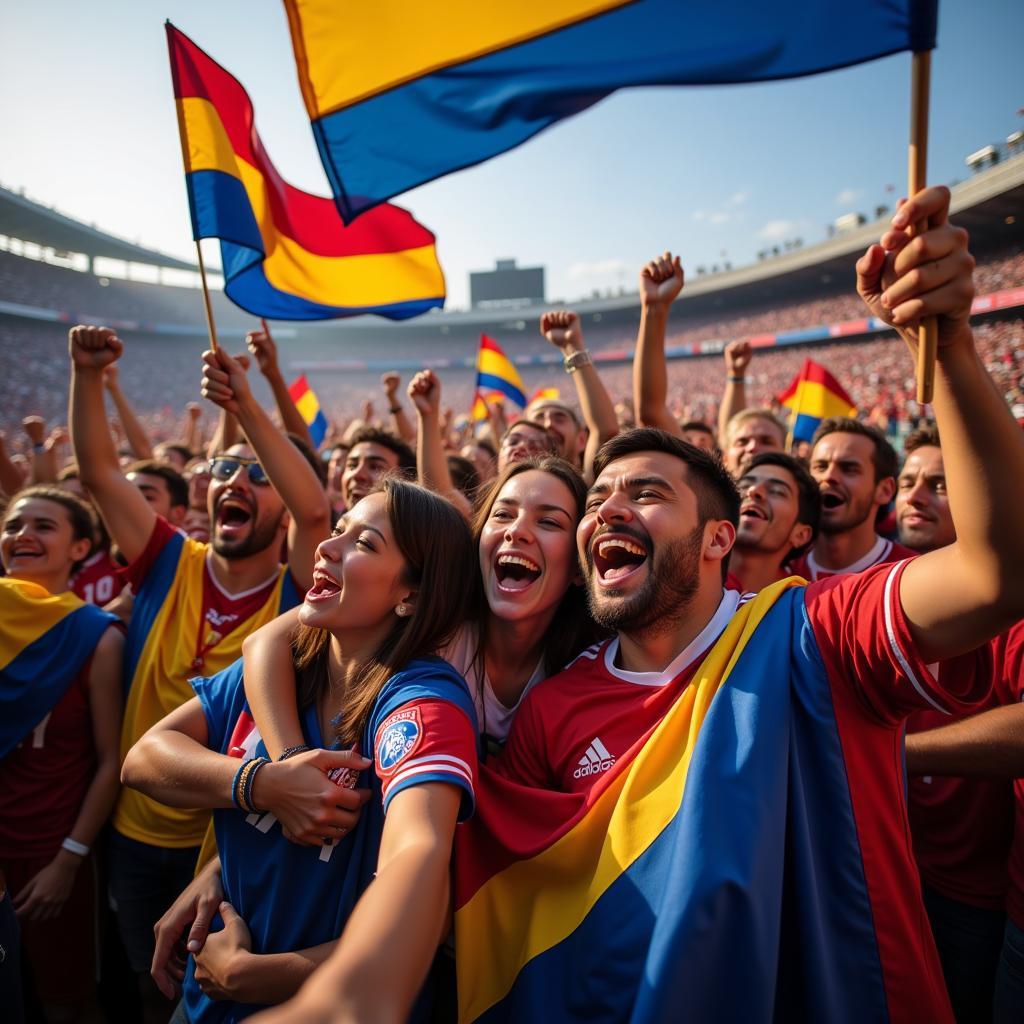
{"type": "Point", "coordinates": [286, 254]}
{"type": "Point", "coordinates": [812, 396]}
{"type": "Point", "coordinates": [308, 405]}
{"type": "Point", "coordinates": [496, 378]}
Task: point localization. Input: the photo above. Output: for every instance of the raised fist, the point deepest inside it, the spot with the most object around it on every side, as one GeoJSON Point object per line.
{"type": "Point", "coordinates": [194, 410]}
{"type": "Point", "coordinates": [224, 381]}
{"type": "Point", "coordinates": [661, 280]}
{"type": "Point", "coordinates": [93, 348]}
{"type": "Point", "coordinates": [562, 328]}
{"type": "Point", "coordinates": [390, 382]}
{"type": "Point", "coordinates": [737, 358]}
{"type": "Point", "coordinates": [425, 392]}
{"type": "Point", "coordinates": [35, 427]}
{"type": "Point", "coordinates": [261, 345]}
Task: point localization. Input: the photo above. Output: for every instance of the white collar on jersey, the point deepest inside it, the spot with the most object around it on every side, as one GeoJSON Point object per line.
{"type": "Point", "coordinates": [697, 647]}
{"type": "Point", "coordinates": [878, 551]}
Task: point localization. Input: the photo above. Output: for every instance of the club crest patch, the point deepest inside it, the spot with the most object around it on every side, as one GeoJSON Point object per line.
{"type": "Point", "coordinates": [397, 738]}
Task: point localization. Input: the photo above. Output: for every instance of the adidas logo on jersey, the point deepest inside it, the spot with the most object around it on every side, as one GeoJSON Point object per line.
{"type": "Point", "coordinates": [594, 761]}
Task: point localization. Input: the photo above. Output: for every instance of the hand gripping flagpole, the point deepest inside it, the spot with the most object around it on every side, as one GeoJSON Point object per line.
{"type": "Point", "coordinates": [927, 331]}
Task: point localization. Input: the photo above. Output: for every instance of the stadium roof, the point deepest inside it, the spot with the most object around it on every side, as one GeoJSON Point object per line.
{"type": "Point", "coordinates": [32, 222]}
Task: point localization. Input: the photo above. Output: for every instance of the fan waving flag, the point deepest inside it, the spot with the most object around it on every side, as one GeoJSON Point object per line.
{"type": "Point", "coordinates": [814, 395]}
{"type": "Point", "coordinates": [452, 86]}
{"type": "Point", "coordinates": [496, 379]}
{"type": "Point", "coordinates": [287, 254]}
{"type": "Point", "coordinates": [308, 405]}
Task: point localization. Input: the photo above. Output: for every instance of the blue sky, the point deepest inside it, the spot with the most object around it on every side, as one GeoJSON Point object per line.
{"type": "Point", "coordinates": [87, 123]}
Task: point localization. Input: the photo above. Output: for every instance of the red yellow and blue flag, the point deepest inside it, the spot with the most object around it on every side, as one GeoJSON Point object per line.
{"type": "Point", "coordinates": [287, 254]}
{"type": "Point", "coordinates": [496, 379]}
{"type": "Point", "coordinates": [308, 405]}
{"type": "Point", "coordinates": [812, 396]}
{"type": "Point", "coordinates": [451, 86]}
{"type": "Point", "coordinates": [45, 641]}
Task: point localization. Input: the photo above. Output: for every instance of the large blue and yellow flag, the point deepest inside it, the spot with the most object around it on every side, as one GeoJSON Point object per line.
{"type": "Point", "coordinates": [45, 641]}
{"type": "Point", "coordinates": [403, 92]}
{"type": "Point", "coordinates": [812, 396]}
{"type": "Point", "coordinates": [287, 254]}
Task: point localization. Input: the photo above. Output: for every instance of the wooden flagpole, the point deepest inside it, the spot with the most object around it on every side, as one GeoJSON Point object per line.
{"type": "Point", "coordinates": [210, 326]}
{"type": "Point", "coordinates": [927, 331]}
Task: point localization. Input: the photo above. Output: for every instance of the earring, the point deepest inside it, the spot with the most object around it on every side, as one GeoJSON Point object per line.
{"type": "Point", "coordinates": [402, 610]}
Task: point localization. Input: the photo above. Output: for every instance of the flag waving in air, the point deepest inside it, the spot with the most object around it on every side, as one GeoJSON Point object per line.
{"type": "Point", "coordinates": [496, 378]}
{"type": "Point", "coordinates": [286, 253]}
{"type": "Point", "coordinates": [813, 395]}
{"type": "Point", "coordinates": [308, 405]}
{"type": "Point", "coordinates": [452, 86]}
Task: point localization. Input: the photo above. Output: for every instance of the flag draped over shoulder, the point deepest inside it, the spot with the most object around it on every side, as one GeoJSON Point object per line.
{"type": "Point", "coordinates": [45, 641]}
{"type": "Point", "coordinates": [812, 396]}
{"type": "Point", "coordinates": [451, 86]}
{"type": "Point", "coordinates": [308, 405]}
{"type": "Point", "coordinates": [496, 378]}
{"type": "Point", "coordinates": [287, 254]}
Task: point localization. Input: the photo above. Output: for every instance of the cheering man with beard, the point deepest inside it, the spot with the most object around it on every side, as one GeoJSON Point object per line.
{"type": "Point", "coordinates": [725, 776]}
{"type": "Point", "coordinates": [195, 604]}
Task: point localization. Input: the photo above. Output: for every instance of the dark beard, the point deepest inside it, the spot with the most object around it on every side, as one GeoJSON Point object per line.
{"type": "Point", "coordinates": [665, 597]}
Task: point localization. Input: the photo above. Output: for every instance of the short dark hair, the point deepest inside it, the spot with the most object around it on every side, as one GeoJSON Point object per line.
{"type": "Point", "coordinates": [464, 475]}
{"type": "Point", "coordinates": [177, 485]}
{"type": "Point", "coordinates": [377, 435]}
{"type": "Point", "coordinates": [310, 455]}
{"type": "Point", "coordinates": [483, 442]}
{"type": "Point", "coordinates": [808, 492]}
{"type": "Point", "coordinates": [884, 456]}
{"type": "Point", "coordinates": [697, 425]}
{"type": "Point", "coordinates": [81, 514]}
{"type": "Point", "coordinates": [176, 446]}
{"type": "Point", "coordinates": [533, 425]}
{"type": "Point", "coordinates": [717, 496]}
{"type": "Point", "coordinates": [920, 438]}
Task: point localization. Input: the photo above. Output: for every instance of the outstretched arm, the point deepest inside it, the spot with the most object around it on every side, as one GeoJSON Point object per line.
{"type": "Point", "coordinates": [378, 967]}
{"type": "Point", "coordinates": [225, 384]}
{"type": "Point", "coordinates": [961, 595]}
{"type": "Point", "coordinates": [563, 329]}
{"type": "Point", "coordinates": [987, 745]}
{"type": "Point", "coordinates": [661, 281]}
{"type": "Point", "coordinates": [264, 350]}
{"type": "Point", "coordinates": [44, 456]}
{"type": "Point", "coordinates": [391, 382]}
{"type": "Point", "coordinates": [129, 517]}
{"type": "Point", "coordinates": [734, 398]}
{"type": "Point", "coordinates": [134, 432]}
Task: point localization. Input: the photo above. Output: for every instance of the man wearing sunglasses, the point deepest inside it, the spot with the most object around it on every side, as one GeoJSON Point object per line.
{"type": "Point", "coordinates": [195, 604]}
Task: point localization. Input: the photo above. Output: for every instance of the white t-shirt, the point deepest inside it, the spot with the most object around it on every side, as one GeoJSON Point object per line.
{"type": "Point", "coordinates": [493, 718]}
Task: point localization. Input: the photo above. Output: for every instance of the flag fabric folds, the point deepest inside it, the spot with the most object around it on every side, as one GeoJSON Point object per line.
{"type": "Point", "coordinates": [813, 395]}
{"type": "Point", "coordinates": [451, 87]}
{"type": "Point", "coordinates": [545, 395]}
{"type": "Point", "coordinates": [45, 641]}
{"type": "Point", "coordinates": [308, 405]}
{"type": "Point", "coordinates": [287, 254]}
{"type": "Point", "coordinates": [496, 379]}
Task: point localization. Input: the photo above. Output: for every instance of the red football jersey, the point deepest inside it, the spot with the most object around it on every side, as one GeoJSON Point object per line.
{"type": "Point", "coordinates": [98, 581]}
{"type": "Point", "coordinates": [883, 552]}
{"type": "Point", "coordinates": [1009, 661]}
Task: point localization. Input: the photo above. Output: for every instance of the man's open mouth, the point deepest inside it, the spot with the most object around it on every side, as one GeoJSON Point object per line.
{"type": "Point", "coordinates": [831, 500]}
{"type": "Point", "coordinates": [232, 517]}
{"type": "Point", "coordinates": [515, 573]}
{"type": "Point", "coordinates": [617, 557]}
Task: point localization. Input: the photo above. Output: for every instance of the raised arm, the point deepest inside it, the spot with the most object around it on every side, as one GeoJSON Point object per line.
{"type": "Point", "coordinates": [134, 432]}
{"type": "Point", "coordinates": [225, 384]}
{"type": "Point", "coordinates": [390, 382]}
{"type": "Point", "coordinates": [128, 516]}
{"type": "Point", "coordinates": [961, 595]}
{"type": "Point", "coordinates": [734, 398]}
{"type": "Point", "coordinates": [264, 350]}
{"type": "Point", "coordinates": [192, 433]}
{"type": "Point", "coordinates": [431, 463]}
{"type": "Point", "coordinates": [11, 479]}
{"type": "Point", "coordinates": [44, 457]}
{"type": "Point", "coordinates": [563, 329]}
{"type": "Point", "coordinates": [661, 281]}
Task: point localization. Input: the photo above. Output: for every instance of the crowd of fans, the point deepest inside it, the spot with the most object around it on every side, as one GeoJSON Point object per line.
{"type": "Point", "coordinates": [164, 509]}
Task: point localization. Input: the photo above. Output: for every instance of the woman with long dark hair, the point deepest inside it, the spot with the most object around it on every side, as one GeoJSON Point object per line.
{"type": "Point", "coordinates": [388, 592]}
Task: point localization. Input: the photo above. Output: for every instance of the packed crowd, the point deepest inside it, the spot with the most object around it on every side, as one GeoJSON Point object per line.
{"type": "Point", "coordinates": [647, 701]}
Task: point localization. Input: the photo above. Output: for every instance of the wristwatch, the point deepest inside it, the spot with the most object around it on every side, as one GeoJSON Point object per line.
{"type": "Point", "coordinates": [577, 359]}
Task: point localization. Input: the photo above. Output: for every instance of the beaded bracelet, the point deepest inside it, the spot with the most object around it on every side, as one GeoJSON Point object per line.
{"type": "Point", "coordinates": [299, 748]}
{"type": "Point", "coordinates": [247, 783]}
{"type": "Point", "coordinates": [234, 785]}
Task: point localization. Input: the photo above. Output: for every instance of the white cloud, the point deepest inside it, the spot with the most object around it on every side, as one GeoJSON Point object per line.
{"type": "Point", "coordinates": [739, 198]}
{"type": "Point", "coordinates": [721, 217]}
{"type": "Point", "coordinates": [700, 215]}
{"type": "Point", "coordinates": [778, 230]}
{"type": "Point", "coordinates": [598, 268]}
{"type": "Point", "coordinates": [849, 196]}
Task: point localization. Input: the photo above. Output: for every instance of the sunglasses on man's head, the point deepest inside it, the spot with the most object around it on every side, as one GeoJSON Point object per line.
{"type": "Point", "coordinates": [224, 467]}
